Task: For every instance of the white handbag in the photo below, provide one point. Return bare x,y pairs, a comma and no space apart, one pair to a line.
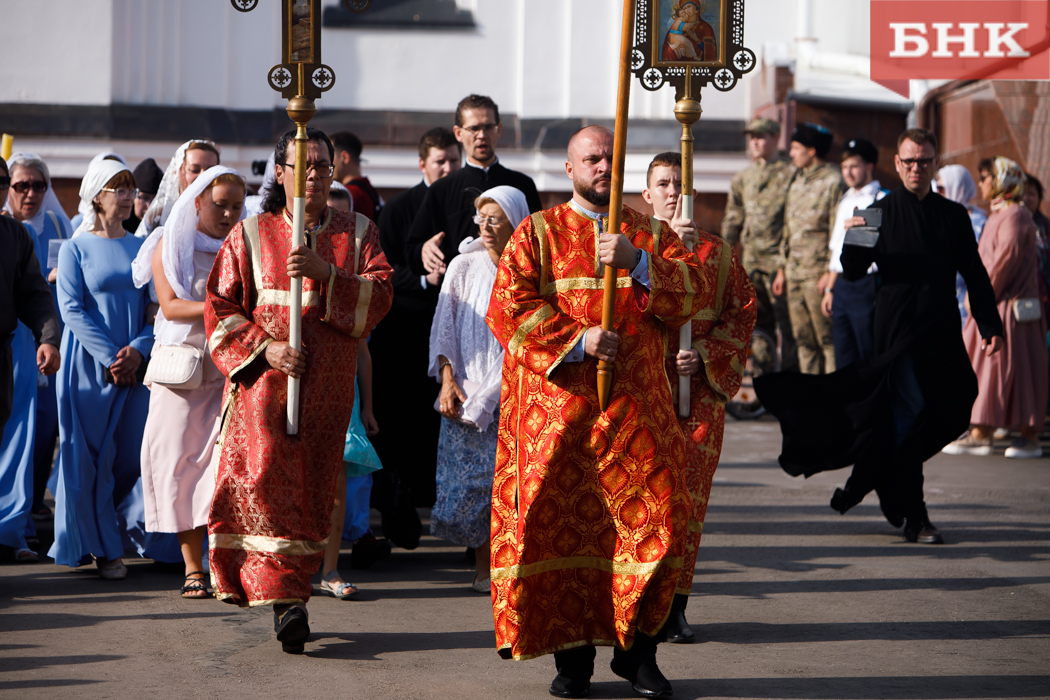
1027,309
175,367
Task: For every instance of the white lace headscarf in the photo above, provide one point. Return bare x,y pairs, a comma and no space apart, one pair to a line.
180,239
253,204
167,191
105,155
50,202
95,179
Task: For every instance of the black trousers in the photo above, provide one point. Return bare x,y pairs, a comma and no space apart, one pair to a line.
579,662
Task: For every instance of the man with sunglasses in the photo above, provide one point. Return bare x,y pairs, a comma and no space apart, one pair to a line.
888,414
446,216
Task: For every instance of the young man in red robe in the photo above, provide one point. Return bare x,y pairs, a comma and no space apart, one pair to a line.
270,515
721,336
590,509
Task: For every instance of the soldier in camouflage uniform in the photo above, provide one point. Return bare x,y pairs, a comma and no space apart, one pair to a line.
753,223
809,215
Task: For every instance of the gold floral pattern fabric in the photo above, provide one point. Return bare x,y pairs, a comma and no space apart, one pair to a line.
270,514
589,509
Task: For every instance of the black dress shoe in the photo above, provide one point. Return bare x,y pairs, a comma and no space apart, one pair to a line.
368,550
923,532
677,630
567,687
293,629
646,679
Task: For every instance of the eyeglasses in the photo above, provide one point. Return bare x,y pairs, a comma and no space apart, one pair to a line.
478,128
121,192
145,196
920,163
490,221
38,186
319,169
5,182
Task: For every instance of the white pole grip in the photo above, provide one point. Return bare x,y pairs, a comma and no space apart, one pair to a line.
295,313
685,337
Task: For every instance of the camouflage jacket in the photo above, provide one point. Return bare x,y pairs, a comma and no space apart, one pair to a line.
755,213
809,216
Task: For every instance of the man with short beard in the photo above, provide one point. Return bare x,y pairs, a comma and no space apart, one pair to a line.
590,509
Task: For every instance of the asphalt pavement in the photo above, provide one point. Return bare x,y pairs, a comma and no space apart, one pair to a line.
790,600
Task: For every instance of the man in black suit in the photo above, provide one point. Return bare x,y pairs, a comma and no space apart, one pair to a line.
403,394
446,215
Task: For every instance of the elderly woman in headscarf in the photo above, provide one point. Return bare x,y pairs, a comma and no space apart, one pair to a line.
954,182
190,160
32,200
178,475
468,361
1013,383
82,209
102,404
24,362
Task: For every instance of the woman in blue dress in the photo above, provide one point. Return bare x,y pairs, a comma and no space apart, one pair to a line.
32,201
102,404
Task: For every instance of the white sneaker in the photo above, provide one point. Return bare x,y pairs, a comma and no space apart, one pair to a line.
969,445
1024,449
1001,434
483,586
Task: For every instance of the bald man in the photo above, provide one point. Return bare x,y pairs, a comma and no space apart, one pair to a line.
590,509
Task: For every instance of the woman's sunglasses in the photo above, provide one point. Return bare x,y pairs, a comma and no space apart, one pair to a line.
38,186
5,182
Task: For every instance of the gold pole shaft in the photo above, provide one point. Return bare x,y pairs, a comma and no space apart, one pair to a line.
687,111
623,98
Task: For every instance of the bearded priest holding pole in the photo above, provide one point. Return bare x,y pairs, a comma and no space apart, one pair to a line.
590,509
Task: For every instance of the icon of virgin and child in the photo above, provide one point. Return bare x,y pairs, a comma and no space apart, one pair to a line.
689,37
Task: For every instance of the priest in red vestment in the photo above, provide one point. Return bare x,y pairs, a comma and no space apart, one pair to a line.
589,512
721,336
270,516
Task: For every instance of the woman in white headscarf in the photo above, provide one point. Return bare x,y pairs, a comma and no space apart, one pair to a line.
954,182
190,160
83,208
468,361
32,201
102,404
177,468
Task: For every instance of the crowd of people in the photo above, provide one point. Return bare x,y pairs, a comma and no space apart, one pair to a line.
148,339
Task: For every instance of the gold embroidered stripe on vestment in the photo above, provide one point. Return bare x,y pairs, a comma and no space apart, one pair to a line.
261,543
622,568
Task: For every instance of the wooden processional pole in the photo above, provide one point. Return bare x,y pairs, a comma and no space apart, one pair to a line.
300,77
623,98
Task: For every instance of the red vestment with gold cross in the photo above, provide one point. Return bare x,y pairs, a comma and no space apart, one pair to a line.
721,332
589,509
270,515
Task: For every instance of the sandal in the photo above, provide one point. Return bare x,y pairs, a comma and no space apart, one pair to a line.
26,556
337,589
194,586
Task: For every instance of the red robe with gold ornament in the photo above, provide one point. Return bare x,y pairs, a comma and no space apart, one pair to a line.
722,335
589,509
270,515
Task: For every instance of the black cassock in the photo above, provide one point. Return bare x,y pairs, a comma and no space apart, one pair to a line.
847,417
